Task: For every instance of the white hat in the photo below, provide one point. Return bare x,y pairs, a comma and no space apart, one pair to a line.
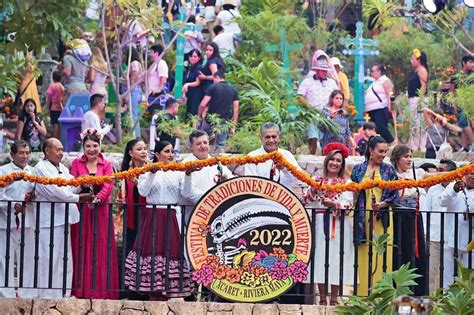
231,2
321,65
336,62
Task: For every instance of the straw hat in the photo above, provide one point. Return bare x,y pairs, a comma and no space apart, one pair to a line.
321,65
336,62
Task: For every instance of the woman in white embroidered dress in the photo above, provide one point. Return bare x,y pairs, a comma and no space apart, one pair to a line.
328,225
160,189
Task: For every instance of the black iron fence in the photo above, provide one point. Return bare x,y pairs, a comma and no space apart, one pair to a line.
37,258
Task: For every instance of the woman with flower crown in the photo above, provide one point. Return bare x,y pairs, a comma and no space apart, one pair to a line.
95,265
334,209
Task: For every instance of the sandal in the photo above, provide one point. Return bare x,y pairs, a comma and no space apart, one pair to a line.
333,303
323,302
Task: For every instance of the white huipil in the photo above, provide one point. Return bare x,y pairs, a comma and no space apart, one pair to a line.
265,169
333,228
60,196
161,188
15,192
459,203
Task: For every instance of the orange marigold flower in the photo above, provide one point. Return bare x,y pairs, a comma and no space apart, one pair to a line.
233,275
275,156
213,261
220,271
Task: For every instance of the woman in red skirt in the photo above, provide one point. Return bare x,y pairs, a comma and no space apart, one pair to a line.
95,264
157,274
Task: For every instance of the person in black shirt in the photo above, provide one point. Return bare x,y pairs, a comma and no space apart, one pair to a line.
222,99
417,87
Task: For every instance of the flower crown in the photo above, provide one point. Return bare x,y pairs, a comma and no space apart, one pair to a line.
336,146
91,132
416,53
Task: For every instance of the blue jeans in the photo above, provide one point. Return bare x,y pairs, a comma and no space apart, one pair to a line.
136,97
220,137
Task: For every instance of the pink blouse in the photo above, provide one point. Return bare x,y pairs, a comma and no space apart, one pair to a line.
104,168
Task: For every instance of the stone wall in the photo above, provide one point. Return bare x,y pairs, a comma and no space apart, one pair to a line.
172,307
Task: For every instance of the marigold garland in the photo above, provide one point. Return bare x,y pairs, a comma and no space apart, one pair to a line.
275,156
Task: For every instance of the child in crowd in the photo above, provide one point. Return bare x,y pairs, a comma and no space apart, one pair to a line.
54,100
369,129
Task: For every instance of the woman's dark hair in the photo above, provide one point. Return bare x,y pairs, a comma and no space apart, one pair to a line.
382,69
24,115
126,157
333,94
192,19
397,153
135,56
190,53
424,60
94,138
159,146
228,7
329,157
371,144
216,55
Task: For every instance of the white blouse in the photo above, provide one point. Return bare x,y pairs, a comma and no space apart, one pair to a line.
411,192
372,102
161,188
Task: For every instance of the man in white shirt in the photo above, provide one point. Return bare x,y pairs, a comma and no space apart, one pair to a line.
53,200
198,181
270,138
315,91
458,198
21,218
227,42
157,76
432,203
91,119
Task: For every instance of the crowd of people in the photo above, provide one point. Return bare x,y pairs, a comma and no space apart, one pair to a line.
78,220
90,251
325,88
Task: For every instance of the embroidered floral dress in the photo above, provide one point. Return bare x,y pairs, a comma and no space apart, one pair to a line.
328,228
147,260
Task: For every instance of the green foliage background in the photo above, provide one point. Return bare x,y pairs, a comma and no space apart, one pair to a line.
396,49
42,23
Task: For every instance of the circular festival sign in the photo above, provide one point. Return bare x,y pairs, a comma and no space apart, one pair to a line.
249,240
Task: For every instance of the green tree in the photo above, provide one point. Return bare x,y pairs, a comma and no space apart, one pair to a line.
396,49
41,23
450,23
381,13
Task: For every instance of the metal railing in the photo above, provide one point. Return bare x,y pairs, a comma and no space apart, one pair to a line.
35,245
